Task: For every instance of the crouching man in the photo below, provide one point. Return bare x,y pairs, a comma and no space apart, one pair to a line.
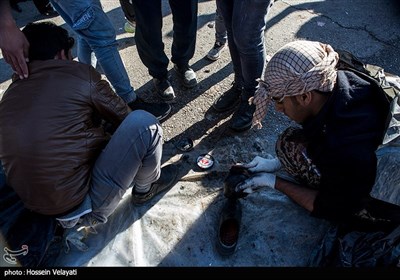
56,154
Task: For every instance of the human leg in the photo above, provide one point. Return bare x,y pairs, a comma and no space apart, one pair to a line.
184,39
220,29
133,156
230,98
149,37
221,37
90,22
249,43
150,46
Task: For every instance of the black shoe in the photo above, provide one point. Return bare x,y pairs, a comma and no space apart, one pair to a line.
164,88
228,100
166,181
229,227
159,110
186,75
242,119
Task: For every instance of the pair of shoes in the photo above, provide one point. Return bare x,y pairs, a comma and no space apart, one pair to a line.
228,100
242,119
159,110
166,181
164,88
186,75
130,26
216,51
229,227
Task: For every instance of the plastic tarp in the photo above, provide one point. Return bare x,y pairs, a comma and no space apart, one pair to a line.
179,228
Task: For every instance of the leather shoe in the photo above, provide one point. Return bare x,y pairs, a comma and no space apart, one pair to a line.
165,182
228,99
229,227
237,174
242,119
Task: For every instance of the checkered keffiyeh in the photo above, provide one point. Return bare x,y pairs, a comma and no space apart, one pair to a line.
296,68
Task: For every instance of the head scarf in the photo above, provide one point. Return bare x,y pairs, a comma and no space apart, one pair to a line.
296,68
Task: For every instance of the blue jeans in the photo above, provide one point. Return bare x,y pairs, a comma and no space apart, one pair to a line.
245,22
96,34
221,35
132,156
148,34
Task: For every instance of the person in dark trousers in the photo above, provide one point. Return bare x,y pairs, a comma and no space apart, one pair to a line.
148,36
245,22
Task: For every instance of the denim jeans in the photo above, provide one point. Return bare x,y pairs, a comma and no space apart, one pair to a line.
245,22
221,35
148,34
96,34
132,156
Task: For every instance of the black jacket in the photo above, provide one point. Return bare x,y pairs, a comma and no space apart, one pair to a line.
342,140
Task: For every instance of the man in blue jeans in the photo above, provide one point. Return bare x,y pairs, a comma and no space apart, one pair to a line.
150,46
246,46
97,34
56,154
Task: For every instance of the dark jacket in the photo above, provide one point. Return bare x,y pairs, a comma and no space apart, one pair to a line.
342,143
48,137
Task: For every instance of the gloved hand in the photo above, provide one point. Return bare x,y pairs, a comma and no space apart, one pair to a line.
257,181
260,164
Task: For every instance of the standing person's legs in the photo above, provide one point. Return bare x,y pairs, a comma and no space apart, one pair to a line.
248,47
150,46
225,8
128,10
148,37
221,37
249,39
184,16
133,156
97,34
230,98
220,29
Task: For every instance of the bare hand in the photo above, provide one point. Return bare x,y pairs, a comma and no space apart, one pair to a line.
14,47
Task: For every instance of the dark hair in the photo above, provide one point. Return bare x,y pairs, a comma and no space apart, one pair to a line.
46,39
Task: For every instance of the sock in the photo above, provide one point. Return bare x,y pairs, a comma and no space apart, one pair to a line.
142,189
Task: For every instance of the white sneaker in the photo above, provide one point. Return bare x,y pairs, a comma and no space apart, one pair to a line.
216,51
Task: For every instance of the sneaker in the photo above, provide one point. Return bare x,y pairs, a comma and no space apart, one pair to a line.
242,119
130,26
186,75
164,88
159,110
216,51
228,99
166,181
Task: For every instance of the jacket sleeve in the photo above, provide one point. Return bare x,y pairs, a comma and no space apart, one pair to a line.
107,103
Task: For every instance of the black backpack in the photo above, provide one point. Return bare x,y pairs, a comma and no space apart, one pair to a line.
387,182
